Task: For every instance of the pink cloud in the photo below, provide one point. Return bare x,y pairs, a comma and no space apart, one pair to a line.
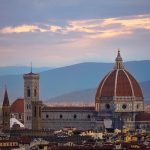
100,28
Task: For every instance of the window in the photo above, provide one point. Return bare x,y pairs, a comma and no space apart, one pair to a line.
28,106
47,116
89,116
75,116
107,106
61,116
35,111
97,106
124,106
28,93
41,147
19,116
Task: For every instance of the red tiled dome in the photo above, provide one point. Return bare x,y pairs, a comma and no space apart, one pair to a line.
17,106
118,82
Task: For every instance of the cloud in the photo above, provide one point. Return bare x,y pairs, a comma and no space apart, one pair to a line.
111,34
22,29
135,22
110,27
55,28
91,28
30,28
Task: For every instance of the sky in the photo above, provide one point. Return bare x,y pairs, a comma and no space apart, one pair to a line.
57,33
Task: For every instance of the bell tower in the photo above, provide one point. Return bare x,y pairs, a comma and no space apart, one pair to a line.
31,94
6,112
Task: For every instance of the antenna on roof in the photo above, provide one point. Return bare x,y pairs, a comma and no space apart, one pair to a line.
31,67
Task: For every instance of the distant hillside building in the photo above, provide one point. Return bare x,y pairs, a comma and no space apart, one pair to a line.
119,103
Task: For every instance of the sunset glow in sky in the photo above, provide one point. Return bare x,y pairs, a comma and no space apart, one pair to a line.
56,33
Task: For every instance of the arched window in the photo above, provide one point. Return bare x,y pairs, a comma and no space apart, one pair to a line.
28,93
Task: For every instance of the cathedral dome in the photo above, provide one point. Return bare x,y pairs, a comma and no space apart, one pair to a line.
118,83
18,106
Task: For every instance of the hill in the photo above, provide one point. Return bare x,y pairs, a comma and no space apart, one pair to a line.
68,79
16,70
88,96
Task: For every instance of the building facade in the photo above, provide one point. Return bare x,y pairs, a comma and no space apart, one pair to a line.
68,117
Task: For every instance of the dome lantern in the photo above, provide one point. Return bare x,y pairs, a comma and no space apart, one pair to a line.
119,61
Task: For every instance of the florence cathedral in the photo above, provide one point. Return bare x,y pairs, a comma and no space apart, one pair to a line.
119,103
